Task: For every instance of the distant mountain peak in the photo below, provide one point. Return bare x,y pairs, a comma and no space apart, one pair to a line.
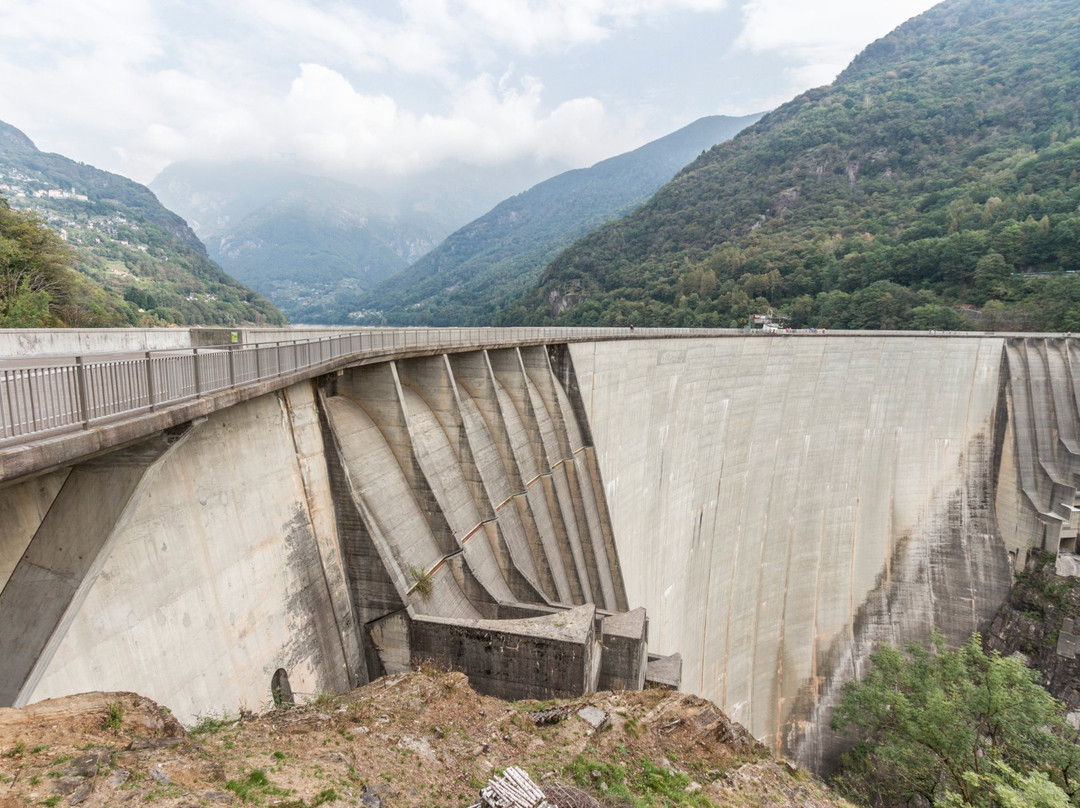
495,257
12,138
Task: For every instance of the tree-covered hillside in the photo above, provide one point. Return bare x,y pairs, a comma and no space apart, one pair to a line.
501,255
935,184
138,263
36,280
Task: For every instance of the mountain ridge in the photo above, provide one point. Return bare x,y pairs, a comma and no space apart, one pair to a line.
140,263
498,255
247,212
896,197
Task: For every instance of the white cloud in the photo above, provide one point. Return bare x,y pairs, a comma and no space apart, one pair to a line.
158,93
822,37
386,85
434,35
121,30
422,45
338,130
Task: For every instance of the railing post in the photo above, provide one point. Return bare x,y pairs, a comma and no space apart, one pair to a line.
150,381
84,401
258,363
232,366
198,379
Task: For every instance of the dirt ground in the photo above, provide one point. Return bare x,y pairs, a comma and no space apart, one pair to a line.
419,739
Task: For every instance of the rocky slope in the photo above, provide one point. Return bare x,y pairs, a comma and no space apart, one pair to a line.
1041,621
418,739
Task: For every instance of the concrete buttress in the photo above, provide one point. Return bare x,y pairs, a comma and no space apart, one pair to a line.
49,584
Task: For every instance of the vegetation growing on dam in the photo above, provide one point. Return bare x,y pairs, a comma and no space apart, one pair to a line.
955,728
933,185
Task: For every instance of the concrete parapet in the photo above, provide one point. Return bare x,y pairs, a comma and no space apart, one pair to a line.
73,341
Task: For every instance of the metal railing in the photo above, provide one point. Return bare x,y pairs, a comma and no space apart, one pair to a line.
41,395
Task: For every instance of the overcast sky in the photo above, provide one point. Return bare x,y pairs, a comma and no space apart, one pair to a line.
400,85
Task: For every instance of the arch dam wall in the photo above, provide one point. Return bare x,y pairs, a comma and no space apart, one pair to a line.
778,505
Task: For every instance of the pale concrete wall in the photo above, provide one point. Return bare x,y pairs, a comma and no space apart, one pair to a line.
783,505
226,570
72,341
78,341
22,507
1044,429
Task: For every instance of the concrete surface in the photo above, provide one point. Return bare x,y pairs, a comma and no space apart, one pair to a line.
76,341
555,656
217,578
22,507
766,495
779,507
437,458
49,584
625,651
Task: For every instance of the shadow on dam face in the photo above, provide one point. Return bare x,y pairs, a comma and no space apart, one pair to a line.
780,507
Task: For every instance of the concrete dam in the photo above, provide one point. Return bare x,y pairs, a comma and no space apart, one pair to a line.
770,507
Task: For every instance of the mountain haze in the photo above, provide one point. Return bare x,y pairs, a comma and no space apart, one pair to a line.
500,255
140,263
934,184
312,244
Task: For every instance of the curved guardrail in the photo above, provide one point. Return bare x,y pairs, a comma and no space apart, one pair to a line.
43,395
39,396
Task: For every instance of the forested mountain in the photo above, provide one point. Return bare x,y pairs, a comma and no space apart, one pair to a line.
315,245
500,256
934,184
138,263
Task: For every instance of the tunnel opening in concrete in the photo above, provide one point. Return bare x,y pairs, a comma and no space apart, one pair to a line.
280,690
